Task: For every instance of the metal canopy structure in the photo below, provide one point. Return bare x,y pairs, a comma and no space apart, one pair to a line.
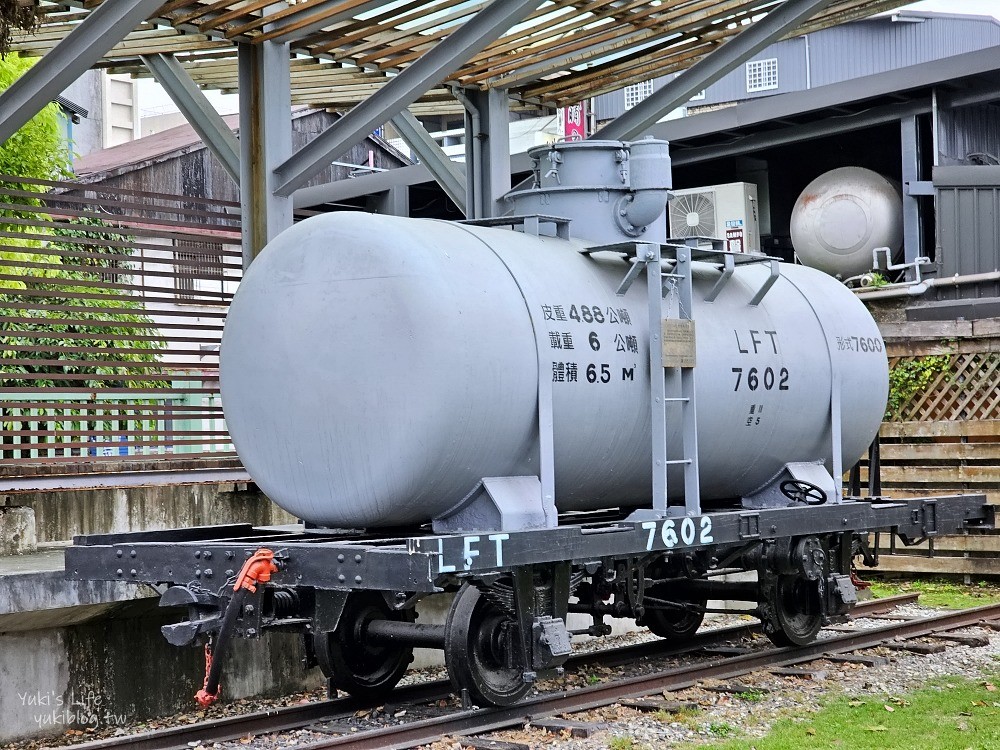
375,60
344,50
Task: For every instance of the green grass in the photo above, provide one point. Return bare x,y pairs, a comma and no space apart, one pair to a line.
620,742
721,729
686,717
951,713
941,594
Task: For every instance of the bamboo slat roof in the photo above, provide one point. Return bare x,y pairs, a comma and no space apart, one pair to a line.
565,51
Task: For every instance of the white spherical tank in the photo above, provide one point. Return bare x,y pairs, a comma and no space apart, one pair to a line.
375,368
842,216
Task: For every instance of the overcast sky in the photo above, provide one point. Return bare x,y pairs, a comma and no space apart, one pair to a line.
153,99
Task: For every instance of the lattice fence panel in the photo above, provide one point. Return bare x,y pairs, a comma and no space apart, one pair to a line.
966,388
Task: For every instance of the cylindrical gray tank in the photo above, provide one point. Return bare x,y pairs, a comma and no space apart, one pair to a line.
842,216
375,368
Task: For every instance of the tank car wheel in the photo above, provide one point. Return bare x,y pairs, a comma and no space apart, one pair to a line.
791,609
353,663
674,624
476,645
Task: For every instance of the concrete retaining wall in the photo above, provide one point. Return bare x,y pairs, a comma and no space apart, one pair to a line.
78,653
117,668
61,515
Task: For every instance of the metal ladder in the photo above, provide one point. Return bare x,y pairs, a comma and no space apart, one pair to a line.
672,351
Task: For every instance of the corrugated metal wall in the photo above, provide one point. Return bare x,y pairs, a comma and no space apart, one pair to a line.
969,131
878,45
968,227
845,52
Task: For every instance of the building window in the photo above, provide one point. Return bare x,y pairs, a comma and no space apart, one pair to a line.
762,75
637,92
198,266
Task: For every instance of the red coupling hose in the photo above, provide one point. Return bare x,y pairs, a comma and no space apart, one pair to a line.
256,570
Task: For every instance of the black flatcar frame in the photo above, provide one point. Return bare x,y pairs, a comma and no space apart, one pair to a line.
350,561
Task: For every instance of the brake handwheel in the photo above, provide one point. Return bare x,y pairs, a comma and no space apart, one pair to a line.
799,491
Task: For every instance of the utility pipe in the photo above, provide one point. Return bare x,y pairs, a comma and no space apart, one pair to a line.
915,290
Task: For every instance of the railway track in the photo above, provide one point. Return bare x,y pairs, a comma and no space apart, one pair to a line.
296,717
471,722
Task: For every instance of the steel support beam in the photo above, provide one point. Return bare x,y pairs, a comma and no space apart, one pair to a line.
487,149
430,69
197,110
449,175
265,140
636,121
102,29
911,204
392,202
754,142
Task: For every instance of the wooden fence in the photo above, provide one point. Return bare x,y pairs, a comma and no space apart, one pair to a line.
942,434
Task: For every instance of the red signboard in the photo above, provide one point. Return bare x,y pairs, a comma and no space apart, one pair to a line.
574,121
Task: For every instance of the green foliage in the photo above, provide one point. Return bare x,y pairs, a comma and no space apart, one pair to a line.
38,151
877,280
16,14
752,696
911,377
948,713
97,319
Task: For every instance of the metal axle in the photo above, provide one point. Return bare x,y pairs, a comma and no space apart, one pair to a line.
411,633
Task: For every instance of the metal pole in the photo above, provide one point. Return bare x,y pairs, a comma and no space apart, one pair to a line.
495,122
689,422
649,254
430,69
197,110
710,69
473,155
265,140
488,175
911,204
101,30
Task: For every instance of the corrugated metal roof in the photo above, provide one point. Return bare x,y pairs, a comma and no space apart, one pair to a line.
148,150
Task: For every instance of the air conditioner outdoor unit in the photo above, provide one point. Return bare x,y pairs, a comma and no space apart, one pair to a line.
727,212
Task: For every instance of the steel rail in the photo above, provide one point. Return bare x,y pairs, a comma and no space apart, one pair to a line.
296,717
584,699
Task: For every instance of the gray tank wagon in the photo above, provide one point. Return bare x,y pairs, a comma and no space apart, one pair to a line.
415,370
580,416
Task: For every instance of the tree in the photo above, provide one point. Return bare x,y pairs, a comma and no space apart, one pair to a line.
17,14
45,281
